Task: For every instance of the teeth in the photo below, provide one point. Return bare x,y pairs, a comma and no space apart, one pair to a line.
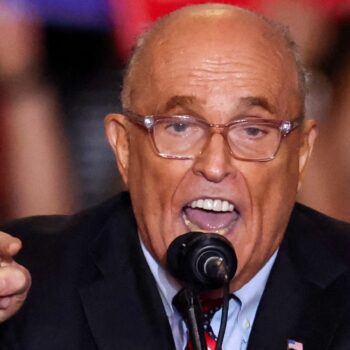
217,205
210,204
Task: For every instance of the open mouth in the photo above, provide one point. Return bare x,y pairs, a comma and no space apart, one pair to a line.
210,215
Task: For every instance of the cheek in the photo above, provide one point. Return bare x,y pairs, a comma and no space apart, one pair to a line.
153,181
150,175
272,189
143,173
273,185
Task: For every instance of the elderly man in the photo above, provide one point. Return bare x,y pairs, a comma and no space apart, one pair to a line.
212,139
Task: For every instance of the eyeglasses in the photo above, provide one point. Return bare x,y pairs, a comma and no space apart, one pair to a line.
184,136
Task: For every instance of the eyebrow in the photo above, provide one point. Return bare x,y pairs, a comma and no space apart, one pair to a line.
249,101
180,101
257,101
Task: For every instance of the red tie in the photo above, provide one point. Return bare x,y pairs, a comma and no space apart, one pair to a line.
209,307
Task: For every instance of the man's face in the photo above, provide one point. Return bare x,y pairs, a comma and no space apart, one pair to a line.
213,71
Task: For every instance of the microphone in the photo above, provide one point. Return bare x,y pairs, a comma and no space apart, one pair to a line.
203,260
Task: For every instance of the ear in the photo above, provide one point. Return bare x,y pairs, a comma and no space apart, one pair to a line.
116,129
308,137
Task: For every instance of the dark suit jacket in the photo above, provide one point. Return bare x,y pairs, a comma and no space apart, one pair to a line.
92,288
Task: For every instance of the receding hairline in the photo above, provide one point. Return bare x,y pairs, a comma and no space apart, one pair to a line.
210,9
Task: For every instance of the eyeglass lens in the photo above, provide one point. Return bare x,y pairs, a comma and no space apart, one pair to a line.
186,138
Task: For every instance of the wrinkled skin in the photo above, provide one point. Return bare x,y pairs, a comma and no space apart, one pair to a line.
15,280
207,62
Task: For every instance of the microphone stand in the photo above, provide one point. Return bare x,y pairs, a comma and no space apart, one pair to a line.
187,301
224,315
203,261
188,304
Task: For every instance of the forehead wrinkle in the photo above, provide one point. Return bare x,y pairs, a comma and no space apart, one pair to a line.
217,62
239,63
240,77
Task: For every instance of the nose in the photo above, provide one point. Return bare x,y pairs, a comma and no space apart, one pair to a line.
215,161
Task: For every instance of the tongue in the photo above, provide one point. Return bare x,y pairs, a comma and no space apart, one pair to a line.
210,220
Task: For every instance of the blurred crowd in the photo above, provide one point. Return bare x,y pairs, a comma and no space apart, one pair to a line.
61,66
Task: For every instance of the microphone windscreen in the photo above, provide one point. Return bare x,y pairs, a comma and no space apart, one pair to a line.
199,259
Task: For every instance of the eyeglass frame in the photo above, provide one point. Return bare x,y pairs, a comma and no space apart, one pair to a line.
148,122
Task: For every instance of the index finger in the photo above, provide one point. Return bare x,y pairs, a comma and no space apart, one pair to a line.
9,245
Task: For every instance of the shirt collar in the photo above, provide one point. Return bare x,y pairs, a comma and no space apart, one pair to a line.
249,295
167,285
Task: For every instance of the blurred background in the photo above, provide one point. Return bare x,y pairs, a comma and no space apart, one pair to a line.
61,68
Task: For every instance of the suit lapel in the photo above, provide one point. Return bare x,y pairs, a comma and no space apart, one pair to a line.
119,294
278,310
304,297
